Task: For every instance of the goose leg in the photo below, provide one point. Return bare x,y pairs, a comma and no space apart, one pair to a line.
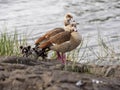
63,57
58,56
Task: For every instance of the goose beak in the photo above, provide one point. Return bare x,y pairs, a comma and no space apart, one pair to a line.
75,29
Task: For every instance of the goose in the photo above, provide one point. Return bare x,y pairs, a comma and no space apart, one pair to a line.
67,19
64,42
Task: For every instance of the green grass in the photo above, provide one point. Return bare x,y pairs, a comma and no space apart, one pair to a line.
9,44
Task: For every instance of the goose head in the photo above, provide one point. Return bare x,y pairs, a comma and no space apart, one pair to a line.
67,19
71,27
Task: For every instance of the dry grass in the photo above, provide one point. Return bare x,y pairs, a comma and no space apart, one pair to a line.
103,51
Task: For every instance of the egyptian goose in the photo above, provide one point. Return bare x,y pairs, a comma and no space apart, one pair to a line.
68,17
64,41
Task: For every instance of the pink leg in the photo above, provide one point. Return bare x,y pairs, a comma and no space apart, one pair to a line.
63,58
58,55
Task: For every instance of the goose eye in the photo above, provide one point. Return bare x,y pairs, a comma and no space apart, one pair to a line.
72,25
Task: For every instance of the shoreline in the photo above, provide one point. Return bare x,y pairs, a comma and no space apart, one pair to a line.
20,73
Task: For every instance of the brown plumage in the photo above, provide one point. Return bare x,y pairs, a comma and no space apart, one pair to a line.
69,45
55,31
49,34
60,37
57,39
64,41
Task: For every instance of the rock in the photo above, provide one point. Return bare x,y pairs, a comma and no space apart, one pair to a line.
50,75
54,88
3,75
79,83
110,71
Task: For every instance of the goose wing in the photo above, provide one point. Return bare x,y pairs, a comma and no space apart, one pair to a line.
53,32
49,34
60,37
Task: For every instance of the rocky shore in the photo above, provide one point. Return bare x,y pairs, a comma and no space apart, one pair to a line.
19,73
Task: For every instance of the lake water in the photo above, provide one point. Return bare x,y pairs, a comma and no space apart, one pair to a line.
35,17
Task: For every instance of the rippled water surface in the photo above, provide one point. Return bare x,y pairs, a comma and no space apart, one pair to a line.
38,16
